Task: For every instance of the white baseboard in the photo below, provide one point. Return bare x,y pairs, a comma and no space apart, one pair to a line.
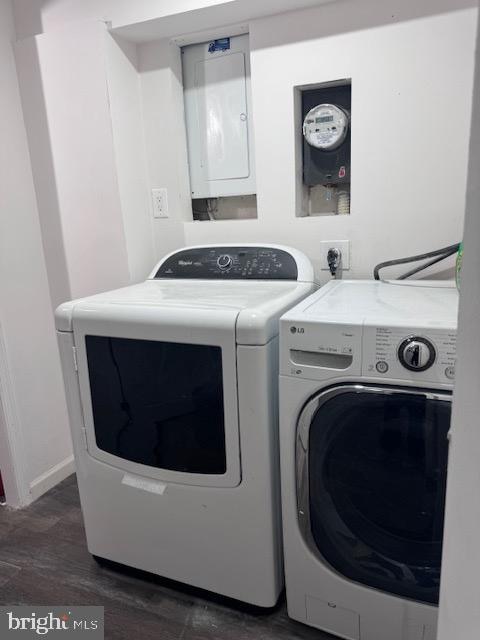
52,477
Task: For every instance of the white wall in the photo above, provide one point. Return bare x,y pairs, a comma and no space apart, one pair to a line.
459,601
41,16
125,105
65,100
30,377
144,19
408,63
409,156
165,138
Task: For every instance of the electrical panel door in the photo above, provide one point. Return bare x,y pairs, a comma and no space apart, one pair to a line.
218,118
222,108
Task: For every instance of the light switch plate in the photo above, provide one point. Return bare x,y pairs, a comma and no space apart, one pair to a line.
343,245
160,203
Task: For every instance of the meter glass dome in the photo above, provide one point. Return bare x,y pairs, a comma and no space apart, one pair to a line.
325,126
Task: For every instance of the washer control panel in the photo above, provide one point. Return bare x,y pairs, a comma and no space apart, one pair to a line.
230,263
417,353
318,351
399,352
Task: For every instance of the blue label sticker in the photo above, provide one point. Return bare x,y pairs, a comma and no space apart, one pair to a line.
222,44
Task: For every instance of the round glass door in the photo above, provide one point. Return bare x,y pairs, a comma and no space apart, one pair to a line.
372,465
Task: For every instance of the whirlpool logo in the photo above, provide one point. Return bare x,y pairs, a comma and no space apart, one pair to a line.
56,622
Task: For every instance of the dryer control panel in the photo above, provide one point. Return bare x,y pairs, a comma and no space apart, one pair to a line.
230,263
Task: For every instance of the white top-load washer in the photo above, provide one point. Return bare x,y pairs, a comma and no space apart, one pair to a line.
367,371
172,395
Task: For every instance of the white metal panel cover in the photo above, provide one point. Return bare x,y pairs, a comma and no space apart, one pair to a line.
218,110
222,116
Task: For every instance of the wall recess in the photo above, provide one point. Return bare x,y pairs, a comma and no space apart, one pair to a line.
324,125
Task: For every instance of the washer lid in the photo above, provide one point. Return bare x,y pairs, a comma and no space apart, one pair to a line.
257,306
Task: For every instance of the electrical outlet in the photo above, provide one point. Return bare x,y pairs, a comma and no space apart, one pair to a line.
343,245
160,203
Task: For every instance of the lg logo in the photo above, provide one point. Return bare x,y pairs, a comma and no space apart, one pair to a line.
297,330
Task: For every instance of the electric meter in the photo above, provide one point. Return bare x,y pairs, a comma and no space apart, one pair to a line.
326,126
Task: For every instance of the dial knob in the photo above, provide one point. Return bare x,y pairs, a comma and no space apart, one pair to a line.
417,354
224,261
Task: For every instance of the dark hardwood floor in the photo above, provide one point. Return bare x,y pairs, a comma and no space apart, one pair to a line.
44,561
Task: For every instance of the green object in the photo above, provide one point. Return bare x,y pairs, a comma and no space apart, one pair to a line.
458,265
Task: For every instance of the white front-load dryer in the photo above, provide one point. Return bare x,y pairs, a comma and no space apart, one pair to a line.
366,378
172,396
